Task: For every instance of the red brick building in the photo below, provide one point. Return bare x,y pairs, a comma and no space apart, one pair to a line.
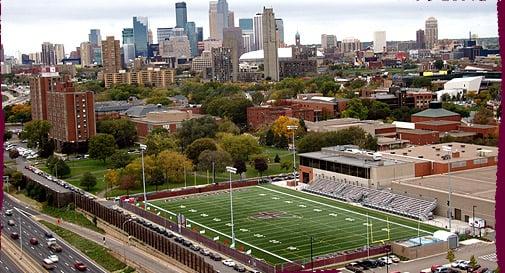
435,112
480,129
265,115
419,137
438,125
70,113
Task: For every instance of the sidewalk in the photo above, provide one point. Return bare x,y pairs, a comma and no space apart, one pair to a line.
141,260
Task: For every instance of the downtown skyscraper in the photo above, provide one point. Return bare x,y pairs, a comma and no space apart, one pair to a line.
111,55
431,32
181,14
270,46
140,35
95,38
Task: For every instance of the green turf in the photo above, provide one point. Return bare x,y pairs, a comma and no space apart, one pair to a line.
334,225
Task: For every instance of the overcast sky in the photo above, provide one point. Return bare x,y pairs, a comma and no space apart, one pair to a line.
28,23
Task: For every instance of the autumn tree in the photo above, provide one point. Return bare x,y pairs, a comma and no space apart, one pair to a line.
280,127
158,141
220,159
198,146
450,256
112,177
173,164
241,146
127,182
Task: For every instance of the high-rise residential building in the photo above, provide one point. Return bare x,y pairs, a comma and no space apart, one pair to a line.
279,24
167,33
213,20
232,38
128,53
86,54
222,67
420,39
36,57
181,14
95,38
48,55
59,52
177,47
202,62
140,35
379,42
127,34
222,17
328,41
270,47
247,41
192,37
350,45
258,31
231,19
70,113
111,55
209,44
199,34
156,77
149,37
431,32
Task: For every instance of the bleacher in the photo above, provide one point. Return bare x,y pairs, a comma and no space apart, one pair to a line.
378,199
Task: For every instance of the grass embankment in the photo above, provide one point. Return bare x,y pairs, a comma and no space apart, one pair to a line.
71,216
94,251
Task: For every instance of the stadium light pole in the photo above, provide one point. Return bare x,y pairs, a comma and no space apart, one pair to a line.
449,153
143,147
231,170
293,128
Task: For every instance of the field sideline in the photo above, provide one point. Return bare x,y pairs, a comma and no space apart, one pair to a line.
276,223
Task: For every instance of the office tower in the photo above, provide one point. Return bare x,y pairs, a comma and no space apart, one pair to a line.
111,55
222,67
167,33
48,54
94,37
431,32
181,14
70,113
350,45
128,36
379,42
128,53
232,38
213,20
86,53
199,34
192,37
59,52
231,19
209,44
328,41
140,29
420,39
247,40
258,32
222,18
297,39
149,37
270,47
177,47
279,24
246,24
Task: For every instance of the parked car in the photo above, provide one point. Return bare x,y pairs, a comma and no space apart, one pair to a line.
434,267
239,268
187,243
394,258
48,264
34,241
370,263
474,269
204,252
386,260
80,266
179,239
215,256
354,267
54,258
457,263
229,263
194,247
15,235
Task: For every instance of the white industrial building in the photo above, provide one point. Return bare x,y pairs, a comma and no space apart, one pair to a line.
467,84
256,57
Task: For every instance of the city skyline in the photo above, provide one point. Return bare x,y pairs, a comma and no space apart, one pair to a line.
25,30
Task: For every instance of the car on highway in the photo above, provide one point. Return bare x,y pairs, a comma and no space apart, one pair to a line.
11,223
80,266
55,248
51,241
8,212
48,234
239,268
54,258
48,264
229,262
15,235
34,241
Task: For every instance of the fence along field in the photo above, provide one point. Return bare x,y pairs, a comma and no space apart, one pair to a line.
276,224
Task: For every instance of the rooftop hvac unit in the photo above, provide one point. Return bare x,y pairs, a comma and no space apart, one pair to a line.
483,153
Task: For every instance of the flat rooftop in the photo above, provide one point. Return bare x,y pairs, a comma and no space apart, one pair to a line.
348,160
434,152
479,183
438,122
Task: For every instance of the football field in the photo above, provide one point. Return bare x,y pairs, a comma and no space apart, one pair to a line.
276,224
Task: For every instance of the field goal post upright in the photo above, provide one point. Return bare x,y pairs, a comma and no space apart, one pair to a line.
380,240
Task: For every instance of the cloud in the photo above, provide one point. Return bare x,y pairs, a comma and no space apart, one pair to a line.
28,23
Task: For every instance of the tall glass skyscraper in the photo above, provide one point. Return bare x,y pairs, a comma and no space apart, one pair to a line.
222,18
245,24
181,14
199,34
128,36
140,30
192,37
95,40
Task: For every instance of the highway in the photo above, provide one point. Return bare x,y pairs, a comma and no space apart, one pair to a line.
7,265
32,229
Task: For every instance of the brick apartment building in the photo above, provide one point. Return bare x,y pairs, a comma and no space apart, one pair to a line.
70,113
259,116
148,77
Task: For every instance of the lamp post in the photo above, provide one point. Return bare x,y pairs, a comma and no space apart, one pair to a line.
293,128
473,218
143,147
231,170
128,238
448,149
311,256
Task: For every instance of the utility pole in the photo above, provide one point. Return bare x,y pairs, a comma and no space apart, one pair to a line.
293,128
448,149
311,254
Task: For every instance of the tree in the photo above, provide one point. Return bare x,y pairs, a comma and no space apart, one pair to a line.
156,177
101,146
303,127
355,109
227,126
438,64
314,141
127,182
18,113
450,256
158,141
112,177
7,135
404,113
286,165
119,159
13,154
376,109
220,159
241,146
36,132
277,159
280,127
233,107
473,262
194,129
260,165
198,146
462,110
240,165
88,181
420,81
484,116
123,130
257,98
60,169
173,165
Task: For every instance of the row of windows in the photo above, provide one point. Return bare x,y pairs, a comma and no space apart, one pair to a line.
335,167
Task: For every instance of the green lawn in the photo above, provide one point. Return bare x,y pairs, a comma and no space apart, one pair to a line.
71,216
276,223
96,252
